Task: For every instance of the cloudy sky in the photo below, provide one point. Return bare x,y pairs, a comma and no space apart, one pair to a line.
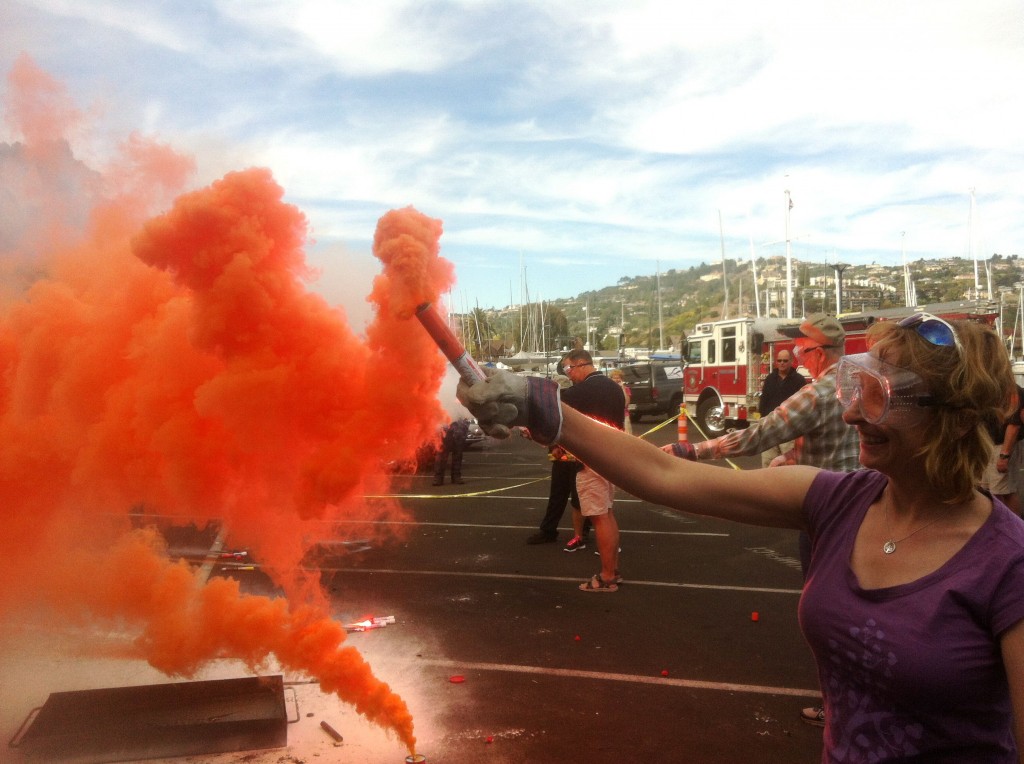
575,141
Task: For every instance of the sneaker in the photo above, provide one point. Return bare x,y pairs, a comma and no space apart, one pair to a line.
576,543
814,715
542,538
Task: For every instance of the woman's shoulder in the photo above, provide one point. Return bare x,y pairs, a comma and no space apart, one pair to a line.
850,480
1007,524
835,490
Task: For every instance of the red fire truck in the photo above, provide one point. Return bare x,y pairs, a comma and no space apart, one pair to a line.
726,361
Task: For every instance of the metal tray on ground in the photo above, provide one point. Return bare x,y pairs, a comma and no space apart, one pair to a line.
156,721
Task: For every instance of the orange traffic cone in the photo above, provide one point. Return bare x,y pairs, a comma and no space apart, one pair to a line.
682,424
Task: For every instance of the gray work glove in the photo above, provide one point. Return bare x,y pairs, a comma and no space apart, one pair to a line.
506,400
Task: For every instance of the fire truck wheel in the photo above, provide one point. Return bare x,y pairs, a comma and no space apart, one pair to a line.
709,417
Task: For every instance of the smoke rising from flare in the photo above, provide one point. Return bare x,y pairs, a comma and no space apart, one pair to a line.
180,366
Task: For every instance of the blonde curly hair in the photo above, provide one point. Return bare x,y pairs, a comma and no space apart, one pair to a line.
973,386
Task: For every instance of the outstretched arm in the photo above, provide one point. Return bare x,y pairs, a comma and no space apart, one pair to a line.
756,497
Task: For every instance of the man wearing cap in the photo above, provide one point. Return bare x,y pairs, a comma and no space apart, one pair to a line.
812,413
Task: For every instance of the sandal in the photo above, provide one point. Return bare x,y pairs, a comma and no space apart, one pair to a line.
814,715
598,584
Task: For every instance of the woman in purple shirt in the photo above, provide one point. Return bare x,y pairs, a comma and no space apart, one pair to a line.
914,599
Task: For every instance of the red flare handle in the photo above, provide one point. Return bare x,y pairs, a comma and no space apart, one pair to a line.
469,370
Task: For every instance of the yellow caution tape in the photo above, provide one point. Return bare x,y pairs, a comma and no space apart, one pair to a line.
472,494
658,427
452,495
705,436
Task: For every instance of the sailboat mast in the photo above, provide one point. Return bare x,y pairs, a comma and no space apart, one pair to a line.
753,270
907,300
789,261
725,278
476,320
970,247
661,324
543,333
1020,318
586,311
622,327
523,307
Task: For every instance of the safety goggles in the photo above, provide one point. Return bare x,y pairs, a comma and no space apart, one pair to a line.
933,330
885,393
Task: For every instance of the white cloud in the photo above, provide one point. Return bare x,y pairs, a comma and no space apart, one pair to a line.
137,19
365,39
595,130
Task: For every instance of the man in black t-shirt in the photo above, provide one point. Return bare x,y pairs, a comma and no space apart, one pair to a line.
600,398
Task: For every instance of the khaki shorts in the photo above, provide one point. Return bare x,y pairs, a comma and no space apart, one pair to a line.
596,494
1002,483
779,450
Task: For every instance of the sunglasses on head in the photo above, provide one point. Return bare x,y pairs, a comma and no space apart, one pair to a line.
932,329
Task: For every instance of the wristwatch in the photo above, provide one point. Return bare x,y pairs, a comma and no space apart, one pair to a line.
1004,456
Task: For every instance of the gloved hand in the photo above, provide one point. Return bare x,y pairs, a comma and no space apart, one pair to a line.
506,400
682,450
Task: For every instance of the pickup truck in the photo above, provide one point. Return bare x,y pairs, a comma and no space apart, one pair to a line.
655,388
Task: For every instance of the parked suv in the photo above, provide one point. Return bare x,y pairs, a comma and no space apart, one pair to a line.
655,388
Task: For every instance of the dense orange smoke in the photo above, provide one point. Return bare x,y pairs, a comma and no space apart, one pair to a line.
407,243
176,366
185,624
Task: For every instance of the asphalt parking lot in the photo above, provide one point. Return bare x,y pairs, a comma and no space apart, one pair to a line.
697,657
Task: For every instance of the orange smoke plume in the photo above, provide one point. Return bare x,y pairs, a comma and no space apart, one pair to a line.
178,366
407,243
185,624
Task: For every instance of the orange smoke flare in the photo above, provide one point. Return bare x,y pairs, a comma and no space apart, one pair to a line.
179,366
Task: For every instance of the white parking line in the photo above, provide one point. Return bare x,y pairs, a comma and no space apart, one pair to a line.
635,678
522,577
211,556
512,527
618,499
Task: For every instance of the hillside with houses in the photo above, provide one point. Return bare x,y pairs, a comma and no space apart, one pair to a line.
641,314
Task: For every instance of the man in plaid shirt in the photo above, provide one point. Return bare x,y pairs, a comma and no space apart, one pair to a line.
812,414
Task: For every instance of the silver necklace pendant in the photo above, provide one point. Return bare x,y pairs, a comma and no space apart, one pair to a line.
889,546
